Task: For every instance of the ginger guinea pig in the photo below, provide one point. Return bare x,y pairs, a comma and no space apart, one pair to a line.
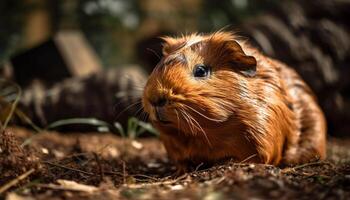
213,97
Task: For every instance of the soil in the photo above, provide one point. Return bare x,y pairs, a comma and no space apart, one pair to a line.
105,166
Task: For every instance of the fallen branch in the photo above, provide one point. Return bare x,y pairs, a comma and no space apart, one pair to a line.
165,182
15,181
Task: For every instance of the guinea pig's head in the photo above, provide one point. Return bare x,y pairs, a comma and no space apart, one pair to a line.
198,83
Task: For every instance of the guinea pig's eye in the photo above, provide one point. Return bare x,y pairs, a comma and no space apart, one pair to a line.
201,70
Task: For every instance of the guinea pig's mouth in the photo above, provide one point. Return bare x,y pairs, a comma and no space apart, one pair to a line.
163,122
160,115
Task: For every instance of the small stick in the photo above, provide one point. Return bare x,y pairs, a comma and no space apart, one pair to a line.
165,182
68,168
197,168
15,181
310,164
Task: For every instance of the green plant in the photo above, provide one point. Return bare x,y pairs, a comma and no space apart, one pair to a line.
10,92
70,121
135,128
10,95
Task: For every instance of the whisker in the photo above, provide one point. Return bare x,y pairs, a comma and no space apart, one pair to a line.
154,52
248,158
201,114
139,112
122,100
135,81
123,97
178,120
119,102
135,113
144,116
127,108
189,122
202,130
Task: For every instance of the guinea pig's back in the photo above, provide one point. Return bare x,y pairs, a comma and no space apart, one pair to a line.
311,138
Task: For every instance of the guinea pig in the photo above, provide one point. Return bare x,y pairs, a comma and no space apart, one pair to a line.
213,97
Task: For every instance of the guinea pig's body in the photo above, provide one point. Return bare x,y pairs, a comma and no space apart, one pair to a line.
213,97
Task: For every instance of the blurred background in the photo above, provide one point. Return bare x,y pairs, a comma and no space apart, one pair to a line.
90,58
115,28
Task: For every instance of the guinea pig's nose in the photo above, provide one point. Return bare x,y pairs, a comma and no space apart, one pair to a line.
159,102
159,110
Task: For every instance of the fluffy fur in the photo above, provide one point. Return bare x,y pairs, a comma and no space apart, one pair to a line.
252,108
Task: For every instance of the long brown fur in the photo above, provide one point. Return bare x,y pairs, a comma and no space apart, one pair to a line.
252,108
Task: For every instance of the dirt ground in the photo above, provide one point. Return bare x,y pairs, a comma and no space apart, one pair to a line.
104,166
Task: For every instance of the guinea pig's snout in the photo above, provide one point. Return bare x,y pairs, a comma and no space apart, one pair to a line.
160,102
159,110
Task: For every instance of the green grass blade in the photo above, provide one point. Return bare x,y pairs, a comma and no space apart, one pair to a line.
14,104
148,127
120,129
71,121
132,127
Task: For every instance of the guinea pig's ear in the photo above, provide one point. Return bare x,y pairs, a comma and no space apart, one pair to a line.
239,60
171,44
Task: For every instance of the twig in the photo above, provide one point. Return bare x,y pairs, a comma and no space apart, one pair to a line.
68,168
15,181
287,170
169,182
198,166
309,164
